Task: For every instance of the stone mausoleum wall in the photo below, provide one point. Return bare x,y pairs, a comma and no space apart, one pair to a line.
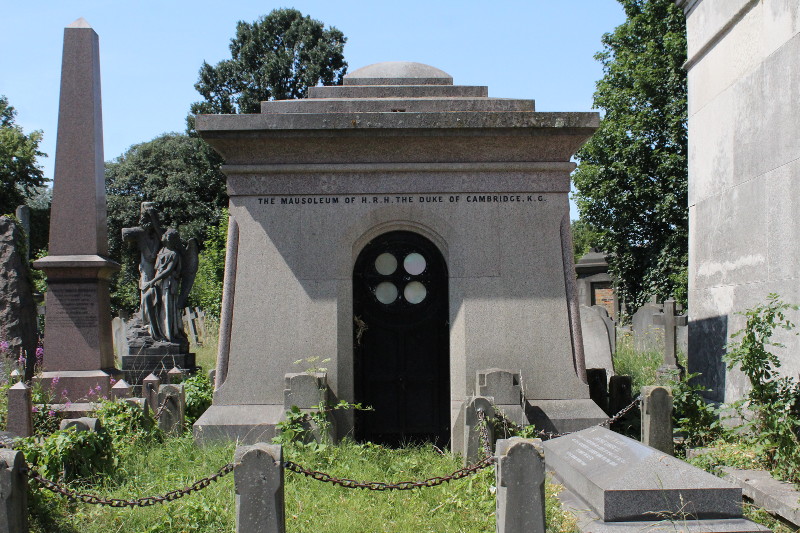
744,173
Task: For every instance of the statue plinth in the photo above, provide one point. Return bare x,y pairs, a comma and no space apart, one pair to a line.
147,355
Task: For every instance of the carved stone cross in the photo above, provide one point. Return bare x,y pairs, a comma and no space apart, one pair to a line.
670,321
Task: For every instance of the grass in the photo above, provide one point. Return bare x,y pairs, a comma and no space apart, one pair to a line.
641,366
465,505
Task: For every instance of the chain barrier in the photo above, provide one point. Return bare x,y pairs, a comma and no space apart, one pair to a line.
146,501
487,460
552,435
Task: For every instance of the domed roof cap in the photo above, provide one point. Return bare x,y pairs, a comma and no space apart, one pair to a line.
398,73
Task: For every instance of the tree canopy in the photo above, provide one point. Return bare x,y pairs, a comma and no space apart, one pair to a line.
277,57
181,175
631,179
20,176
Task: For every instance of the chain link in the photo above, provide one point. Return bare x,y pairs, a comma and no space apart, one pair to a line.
487,460
146,501
553,435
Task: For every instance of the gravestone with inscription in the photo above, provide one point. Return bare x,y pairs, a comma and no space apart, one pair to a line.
623,480
413,232
77,342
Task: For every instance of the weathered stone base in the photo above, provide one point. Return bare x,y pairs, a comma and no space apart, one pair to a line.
564,416
589,521
78,385
245,424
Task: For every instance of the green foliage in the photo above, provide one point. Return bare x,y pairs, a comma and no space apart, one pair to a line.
772,405
584,237
277,57
199,393
632,175
20,175
695,418
69,454
311,427
45,418
207,290
127,425
181,175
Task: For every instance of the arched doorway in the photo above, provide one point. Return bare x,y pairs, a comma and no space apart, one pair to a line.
401,340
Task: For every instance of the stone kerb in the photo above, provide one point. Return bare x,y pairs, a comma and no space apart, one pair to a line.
83,423
13,492
520,474
258,482
309,392
466,437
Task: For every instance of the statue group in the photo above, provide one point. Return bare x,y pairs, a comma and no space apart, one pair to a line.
167,269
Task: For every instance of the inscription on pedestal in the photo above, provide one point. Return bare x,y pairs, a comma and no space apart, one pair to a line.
74,306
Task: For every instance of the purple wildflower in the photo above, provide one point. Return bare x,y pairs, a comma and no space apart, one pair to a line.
3,346
51,413
39,355
55,380
35,409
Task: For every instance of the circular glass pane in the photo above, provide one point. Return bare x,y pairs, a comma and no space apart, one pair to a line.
386,292
414,263
415,292
385,264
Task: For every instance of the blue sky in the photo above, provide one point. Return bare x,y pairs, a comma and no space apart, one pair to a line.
151,51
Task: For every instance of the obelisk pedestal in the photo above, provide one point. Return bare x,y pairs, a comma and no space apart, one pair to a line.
79,358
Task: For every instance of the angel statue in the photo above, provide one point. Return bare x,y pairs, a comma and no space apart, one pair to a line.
167,270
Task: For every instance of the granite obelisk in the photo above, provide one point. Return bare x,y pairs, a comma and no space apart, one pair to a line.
77,343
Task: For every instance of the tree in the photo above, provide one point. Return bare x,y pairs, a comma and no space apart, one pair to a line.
207,289
181,175
20,175
584,237
277,57
632,175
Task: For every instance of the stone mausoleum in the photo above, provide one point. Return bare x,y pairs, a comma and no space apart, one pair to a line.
411,231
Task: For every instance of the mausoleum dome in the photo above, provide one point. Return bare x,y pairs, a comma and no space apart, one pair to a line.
398,73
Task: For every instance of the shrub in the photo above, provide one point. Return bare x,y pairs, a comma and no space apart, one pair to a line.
69,454
199,393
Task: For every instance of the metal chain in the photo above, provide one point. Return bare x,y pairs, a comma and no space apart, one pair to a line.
487,460
146,501
552,435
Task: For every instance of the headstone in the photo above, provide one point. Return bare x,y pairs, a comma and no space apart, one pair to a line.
623,480
657,418
597,345
504,389
520,474
83,423
258,482
17,307
20,407
212,377
171,408
189,324
77,343
647,335
13,492
670,321
121,390
120,333
201,323
305,390
402,162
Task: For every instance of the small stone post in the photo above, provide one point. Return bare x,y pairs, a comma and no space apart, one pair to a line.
150,386
20,406
473,447
121,390
657,418
520,486
174,376
258,482
13,492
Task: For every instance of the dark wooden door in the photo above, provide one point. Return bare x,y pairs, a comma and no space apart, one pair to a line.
401,341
